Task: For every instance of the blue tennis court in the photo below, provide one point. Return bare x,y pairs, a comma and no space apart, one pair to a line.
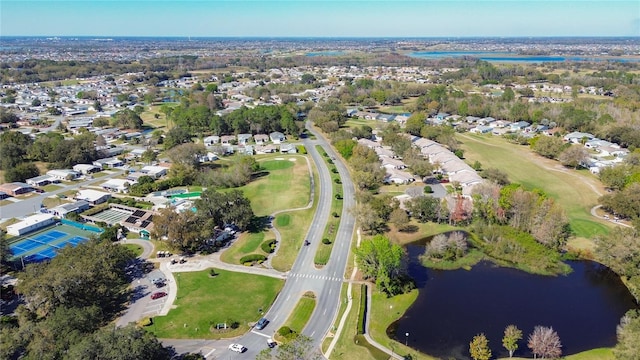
44,245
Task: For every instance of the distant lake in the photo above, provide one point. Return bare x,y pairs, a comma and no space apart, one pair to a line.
513,57
584,307
325,53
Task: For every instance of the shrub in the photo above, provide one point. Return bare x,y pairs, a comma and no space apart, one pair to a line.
335,214
268,246
337,181
301,149
363,308
334,170
285,331
252,258
338,196
428,190
329,161
145,322
212,272
326,241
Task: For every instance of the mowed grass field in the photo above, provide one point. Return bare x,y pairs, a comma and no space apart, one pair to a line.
204,301
576,191
287,186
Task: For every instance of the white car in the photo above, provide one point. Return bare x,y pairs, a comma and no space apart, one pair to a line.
237,348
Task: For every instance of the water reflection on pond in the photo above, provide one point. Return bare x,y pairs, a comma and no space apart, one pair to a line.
584,307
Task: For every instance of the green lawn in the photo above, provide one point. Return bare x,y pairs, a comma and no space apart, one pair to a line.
574,190
323,252
51,187
595,354
205,301
137,249
301,313
53,201
385,311
247,243
287,182
346,348
293,228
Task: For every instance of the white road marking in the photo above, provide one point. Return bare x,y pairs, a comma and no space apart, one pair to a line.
312,333
209,353
261,334
288,297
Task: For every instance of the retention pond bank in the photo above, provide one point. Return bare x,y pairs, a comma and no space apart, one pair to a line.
584,307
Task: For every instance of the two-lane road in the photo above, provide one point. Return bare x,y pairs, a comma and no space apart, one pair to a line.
326,282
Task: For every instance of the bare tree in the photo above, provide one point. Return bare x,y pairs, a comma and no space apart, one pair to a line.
545,342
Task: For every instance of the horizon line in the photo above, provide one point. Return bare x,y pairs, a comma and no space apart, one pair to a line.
324,36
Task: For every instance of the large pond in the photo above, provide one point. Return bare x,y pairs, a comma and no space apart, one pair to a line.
584,307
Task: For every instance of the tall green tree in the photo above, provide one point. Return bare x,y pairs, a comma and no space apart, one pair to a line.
512,335
385,263
89,274
127,343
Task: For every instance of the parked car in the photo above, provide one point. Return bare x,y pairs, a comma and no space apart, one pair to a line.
237,348
158,295
262,323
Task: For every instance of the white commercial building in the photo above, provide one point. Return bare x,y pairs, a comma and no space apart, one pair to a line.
31,223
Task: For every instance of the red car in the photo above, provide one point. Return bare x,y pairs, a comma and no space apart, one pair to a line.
158,295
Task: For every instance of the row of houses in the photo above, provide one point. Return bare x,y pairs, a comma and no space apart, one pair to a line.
446,162
275,137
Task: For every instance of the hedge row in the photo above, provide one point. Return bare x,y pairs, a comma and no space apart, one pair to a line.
363,309
251,258
96,209
268,246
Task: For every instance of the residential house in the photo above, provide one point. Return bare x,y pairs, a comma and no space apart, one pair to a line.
482,129
117,185
368,143
211,140
276,137
86,168
41,180
518,126
93,197
390,163
16,188
154,171
227,139
63,174
577,137
261,139
384,151
265,149
108,163
74,207
244,139
287,148
248,149
422,142
399,177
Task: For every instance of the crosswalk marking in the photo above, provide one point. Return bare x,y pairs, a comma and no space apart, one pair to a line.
316,277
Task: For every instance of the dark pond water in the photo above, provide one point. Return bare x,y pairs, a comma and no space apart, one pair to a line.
584,307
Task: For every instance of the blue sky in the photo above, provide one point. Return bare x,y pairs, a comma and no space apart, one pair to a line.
329,18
